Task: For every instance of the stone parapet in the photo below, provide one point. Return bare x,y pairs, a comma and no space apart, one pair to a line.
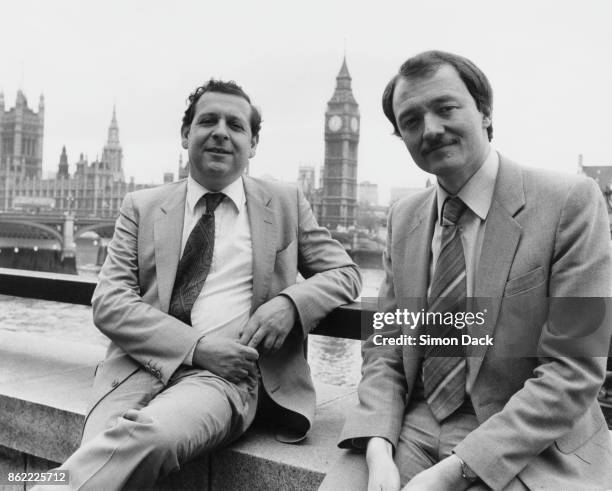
44,386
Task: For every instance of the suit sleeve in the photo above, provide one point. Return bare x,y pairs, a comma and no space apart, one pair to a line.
562,388
153,338
382,389
331,278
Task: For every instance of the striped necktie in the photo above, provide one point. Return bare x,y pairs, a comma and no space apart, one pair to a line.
195,263
444,370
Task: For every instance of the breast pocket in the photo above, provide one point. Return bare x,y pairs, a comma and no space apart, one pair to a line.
286,256
285,268
525,282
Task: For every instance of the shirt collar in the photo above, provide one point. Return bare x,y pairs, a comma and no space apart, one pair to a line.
477,193
234,191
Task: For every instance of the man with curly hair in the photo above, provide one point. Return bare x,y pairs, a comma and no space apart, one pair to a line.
199,298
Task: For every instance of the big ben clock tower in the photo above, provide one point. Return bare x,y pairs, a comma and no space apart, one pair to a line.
339,200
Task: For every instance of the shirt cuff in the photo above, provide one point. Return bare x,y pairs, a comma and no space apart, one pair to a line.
189,357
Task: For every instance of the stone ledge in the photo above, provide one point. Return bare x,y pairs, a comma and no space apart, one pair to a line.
44,385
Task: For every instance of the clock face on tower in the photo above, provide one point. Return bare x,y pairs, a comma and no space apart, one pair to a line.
334,123
354,123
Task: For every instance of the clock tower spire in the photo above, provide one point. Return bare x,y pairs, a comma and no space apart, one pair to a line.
339,200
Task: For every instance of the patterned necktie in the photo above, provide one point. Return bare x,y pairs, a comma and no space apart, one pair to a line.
444,370
195,263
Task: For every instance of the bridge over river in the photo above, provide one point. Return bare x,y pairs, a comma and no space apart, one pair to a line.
47,240
46,237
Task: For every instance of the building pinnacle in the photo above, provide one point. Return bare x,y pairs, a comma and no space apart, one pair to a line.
343,73
113,130
343,91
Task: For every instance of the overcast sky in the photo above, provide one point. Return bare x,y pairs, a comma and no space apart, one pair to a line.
549,62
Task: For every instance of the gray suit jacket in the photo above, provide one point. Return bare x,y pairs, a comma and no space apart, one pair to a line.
546,236
131,301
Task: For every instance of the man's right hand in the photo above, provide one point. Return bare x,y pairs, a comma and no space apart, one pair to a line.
383,474
226,358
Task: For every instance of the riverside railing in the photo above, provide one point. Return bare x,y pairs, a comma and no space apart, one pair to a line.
344,322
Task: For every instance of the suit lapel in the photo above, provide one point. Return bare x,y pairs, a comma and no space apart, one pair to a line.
263,237
413,269
167,236
502,236
412,249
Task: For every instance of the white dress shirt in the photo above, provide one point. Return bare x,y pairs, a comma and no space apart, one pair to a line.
224,304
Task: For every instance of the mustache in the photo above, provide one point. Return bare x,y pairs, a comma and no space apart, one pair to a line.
432,145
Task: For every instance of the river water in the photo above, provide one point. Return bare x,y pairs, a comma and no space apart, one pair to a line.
332,360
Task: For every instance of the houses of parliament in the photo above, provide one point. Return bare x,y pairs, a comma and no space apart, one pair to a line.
97,188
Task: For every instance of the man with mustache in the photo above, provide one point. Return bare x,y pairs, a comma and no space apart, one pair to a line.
199,298
522,414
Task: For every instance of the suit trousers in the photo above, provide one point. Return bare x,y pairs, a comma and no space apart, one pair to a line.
140,433
422,443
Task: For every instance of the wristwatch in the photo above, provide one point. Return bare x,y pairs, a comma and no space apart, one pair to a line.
466,472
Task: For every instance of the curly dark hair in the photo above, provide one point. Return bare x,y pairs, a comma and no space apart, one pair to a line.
427,63
230,87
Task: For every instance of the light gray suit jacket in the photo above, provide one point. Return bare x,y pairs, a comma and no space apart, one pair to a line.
546,236
131,301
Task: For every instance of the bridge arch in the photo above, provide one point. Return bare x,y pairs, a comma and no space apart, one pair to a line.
18,226
108,227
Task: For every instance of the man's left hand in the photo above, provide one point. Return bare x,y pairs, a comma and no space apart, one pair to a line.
444,476
270,324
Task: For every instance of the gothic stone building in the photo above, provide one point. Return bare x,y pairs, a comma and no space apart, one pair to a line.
95,188
339,197
21,138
